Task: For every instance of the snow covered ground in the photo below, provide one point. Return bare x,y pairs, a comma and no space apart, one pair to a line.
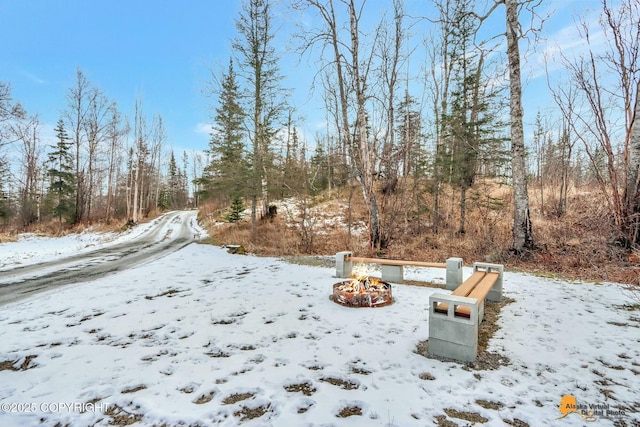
202,337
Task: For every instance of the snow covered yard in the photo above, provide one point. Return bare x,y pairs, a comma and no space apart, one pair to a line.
201,337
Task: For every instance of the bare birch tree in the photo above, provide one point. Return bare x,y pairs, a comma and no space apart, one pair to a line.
78,107
25,131
351,65
116,130
605,99
95,125
522,225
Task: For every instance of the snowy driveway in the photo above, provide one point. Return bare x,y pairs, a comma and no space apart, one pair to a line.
72,264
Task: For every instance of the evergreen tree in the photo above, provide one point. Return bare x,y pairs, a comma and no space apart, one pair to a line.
320,172
228,171
173,198
62,176
263,92
471,123
237,206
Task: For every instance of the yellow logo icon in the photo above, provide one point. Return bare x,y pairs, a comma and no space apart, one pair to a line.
569,404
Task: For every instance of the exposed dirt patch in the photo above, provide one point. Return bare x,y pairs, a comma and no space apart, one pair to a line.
487,404
205,398
9,365
223,321
169,294
121,417
91,316
516,423
443,421
217,353
344,384
251,413
237,397
303,409
188,389
133,389
426,376
315,368
473,417
360,371
305,388
349,411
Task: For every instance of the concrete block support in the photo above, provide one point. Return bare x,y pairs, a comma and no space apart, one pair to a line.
454,273
495,294
451,336
392,273
343,267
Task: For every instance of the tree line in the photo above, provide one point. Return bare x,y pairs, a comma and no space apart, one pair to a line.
102,165
397,141
401,135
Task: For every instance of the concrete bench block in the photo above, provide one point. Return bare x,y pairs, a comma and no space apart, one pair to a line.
496,291
454,273
392,273
343,267
451,336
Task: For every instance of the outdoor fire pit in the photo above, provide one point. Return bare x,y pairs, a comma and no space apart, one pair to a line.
362,292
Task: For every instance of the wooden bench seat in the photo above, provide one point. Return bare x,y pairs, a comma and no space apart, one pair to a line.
392,270
476,286
454,318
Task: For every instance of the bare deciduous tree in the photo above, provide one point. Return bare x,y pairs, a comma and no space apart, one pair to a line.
351,65
607,98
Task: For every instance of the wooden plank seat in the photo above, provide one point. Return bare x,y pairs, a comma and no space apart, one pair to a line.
477,286
392,270
454,318
385,261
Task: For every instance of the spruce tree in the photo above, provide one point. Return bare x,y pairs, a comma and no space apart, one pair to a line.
61,174
237,206
228,171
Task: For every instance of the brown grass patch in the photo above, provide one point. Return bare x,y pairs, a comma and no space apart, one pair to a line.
578,244
237,397
426,376
339,382
133,389
473,417
246,413
443,421
169,293
487,404
121,417
205,398
516,423
305,388
349,411
9,365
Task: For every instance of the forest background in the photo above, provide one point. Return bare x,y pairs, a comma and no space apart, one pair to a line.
424,153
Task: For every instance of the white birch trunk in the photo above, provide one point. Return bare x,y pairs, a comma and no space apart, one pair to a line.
522,227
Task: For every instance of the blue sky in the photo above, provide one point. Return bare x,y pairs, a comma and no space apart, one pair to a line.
161,51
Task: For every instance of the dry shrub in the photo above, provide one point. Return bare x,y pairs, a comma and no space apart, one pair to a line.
581,243
578,244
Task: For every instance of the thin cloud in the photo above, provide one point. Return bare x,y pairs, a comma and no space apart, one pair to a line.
203,128
33,77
